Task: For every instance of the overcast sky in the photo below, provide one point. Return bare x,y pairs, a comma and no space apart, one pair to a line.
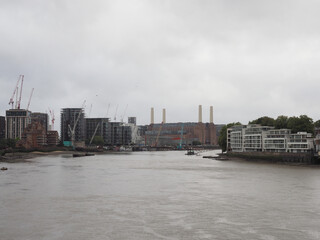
246,58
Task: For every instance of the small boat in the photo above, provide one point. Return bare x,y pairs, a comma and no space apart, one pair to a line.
190,152
82,154
4,169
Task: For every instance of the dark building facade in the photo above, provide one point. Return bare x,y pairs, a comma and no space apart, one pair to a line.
118,134
132,120
2,127
69,121
101,124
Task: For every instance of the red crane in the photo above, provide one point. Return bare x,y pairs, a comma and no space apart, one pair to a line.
30,99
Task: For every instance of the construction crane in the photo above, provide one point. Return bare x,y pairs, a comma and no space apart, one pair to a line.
124,113
115,115
19,102
181,136
159,131
73,130
95,131
52,118
108,110
90,110
30,99
14,92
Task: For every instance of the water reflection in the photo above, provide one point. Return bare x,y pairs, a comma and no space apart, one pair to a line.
158,195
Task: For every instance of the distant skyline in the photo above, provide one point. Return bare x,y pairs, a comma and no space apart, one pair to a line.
246,58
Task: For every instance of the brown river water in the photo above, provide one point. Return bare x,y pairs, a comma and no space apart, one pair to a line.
157,195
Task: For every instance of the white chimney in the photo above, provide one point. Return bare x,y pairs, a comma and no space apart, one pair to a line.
200,114
152,116
164,115
211,114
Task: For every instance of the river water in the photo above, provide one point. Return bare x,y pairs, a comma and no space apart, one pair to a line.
157,195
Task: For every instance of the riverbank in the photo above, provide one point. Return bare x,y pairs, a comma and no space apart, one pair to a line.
299,159
26,156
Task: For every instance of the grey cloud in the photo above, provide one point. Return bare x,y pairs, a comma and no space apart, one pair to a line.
246,58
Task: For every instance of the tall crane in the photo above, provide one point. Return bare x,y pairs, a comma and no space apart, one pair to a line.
124,113
115,115
108,110
95,131
30,99
159,131
14,92
73,130
181,136
19,102
52,118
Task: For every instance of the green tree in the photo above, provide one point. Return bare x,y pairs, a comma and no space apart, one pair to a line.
98,140
317,124
196,143
8,143
264,121
281,122
222,141
301,124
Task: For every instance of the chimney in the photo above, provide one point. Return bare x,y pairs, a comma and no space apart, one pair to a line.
211,114
164,115
152,116
200,114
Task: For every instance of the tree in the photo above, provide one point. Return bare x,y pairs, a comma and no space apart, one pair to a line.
281,122
222,141
264,121
317,124
196,143
98,140
8,143
301,124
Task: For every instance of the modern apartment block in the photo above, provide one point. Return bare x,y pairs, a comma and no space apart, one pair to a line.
132,120
16,121
97,126
118,134
72,119
256,138
2,127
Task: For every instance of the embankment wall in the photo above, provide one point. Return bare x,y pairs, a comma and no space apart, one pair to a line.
294,158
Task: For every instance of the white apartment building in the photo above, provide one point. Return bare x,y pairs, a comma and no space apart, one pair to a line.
17,120
257,138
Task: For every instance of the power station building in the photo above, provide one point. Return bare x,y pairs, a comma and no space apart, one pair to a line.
16,121
72,118
182,133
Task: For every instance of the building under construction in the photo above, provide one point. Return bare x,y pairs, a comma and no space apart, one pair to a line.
182,133
72,121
